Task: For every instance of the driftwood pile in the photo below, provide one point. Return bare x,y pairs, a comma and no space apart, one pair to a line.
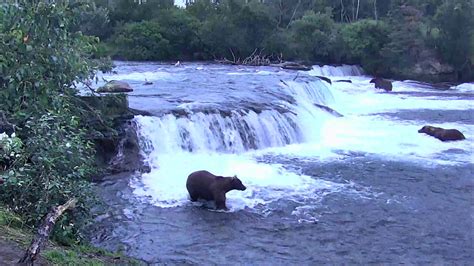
254,59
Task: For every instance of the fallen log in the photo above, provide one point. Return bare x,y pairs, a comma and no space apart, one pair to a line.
44,230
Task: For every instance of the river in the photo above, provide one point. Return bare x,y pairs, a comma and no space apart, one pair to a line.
356,186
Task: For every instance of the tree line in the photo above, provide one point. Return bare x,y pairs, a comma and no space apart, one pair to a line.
397,38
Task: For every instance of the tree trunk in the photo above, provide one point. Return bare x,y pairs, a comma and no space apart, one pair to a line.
357,12
342,11
375,10
44,230
294,13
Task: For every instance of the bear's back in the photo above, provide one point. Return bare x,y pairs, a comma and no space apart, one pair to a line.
202,184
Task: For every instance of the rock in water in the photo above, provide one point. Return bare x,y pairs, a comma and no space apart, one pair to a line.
295,66
344,80
382,84
115,86
442,134
328,80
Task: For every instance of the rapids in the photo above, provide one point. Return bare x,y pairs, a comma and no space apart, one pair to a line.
362,186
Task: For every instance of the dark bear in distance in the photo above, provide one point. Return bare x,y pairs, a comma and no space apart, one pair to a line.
382,84
442,134
204,185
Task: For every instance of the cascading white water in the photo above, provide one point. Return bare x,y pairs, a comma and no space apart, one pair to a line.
337,71
176,145
236,133
240,130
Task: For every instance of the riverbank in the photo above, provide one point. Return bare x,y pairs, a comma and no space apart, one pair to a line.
15,238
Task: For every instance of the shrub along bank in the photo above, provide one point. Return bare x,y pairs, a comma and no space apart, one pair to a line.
50,157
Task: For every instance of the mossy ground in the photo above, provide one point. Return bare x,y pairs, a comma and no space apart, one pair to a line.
15,238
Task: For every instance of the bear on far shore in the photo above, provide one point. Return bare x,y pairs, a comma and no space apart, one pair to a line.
442,134
204,185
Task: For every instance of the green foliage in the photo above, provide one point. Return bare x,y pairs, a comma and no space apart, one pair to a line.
314,36
180,29
455,21
386,37
141,41
94,21
201,9
364,40
278,44
406,44
44,55
133,11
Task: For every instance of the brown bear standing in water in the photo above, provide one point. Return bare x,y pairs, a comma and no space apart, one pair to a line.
204,185
442,134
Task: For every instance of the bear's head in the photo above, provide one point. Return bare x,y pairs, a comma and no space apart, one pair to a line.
427,129
237,184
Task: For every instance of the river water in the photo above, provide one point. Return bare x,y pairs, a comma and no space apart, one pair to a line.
355,185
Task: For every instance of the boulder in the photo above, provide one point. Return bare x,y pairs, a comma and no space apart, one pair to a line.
127,157
115,86
295,66
442,134
117,148
382,84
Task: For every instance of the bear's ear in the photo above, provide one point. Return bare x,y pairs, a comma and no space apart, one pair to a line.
234,177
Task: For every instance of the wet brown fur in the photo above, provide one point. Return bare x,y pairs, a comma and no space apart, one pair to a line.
442,134
204,185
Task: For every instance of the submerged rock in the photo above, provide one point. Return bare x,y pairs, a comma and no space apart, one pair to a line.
295,66
344,80
442,134
329,110
382,84
325,79
115,86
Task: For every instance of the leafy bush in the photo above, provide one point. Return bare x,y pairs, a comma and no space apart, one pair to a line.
50,158
454,19
180,29
141,41
314,36
364,40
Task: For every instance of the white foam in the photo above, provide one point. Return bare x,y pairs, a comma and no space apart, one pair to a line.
139,76
465,87
336,71
165,185
217,146
361,98
393,140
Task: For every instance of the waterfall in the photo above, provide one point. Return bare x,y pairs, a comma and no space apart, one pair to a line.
338,71
225,139
241,130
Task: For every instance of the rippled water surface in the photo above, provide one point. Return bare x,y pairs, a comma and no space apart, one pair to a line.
336,173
